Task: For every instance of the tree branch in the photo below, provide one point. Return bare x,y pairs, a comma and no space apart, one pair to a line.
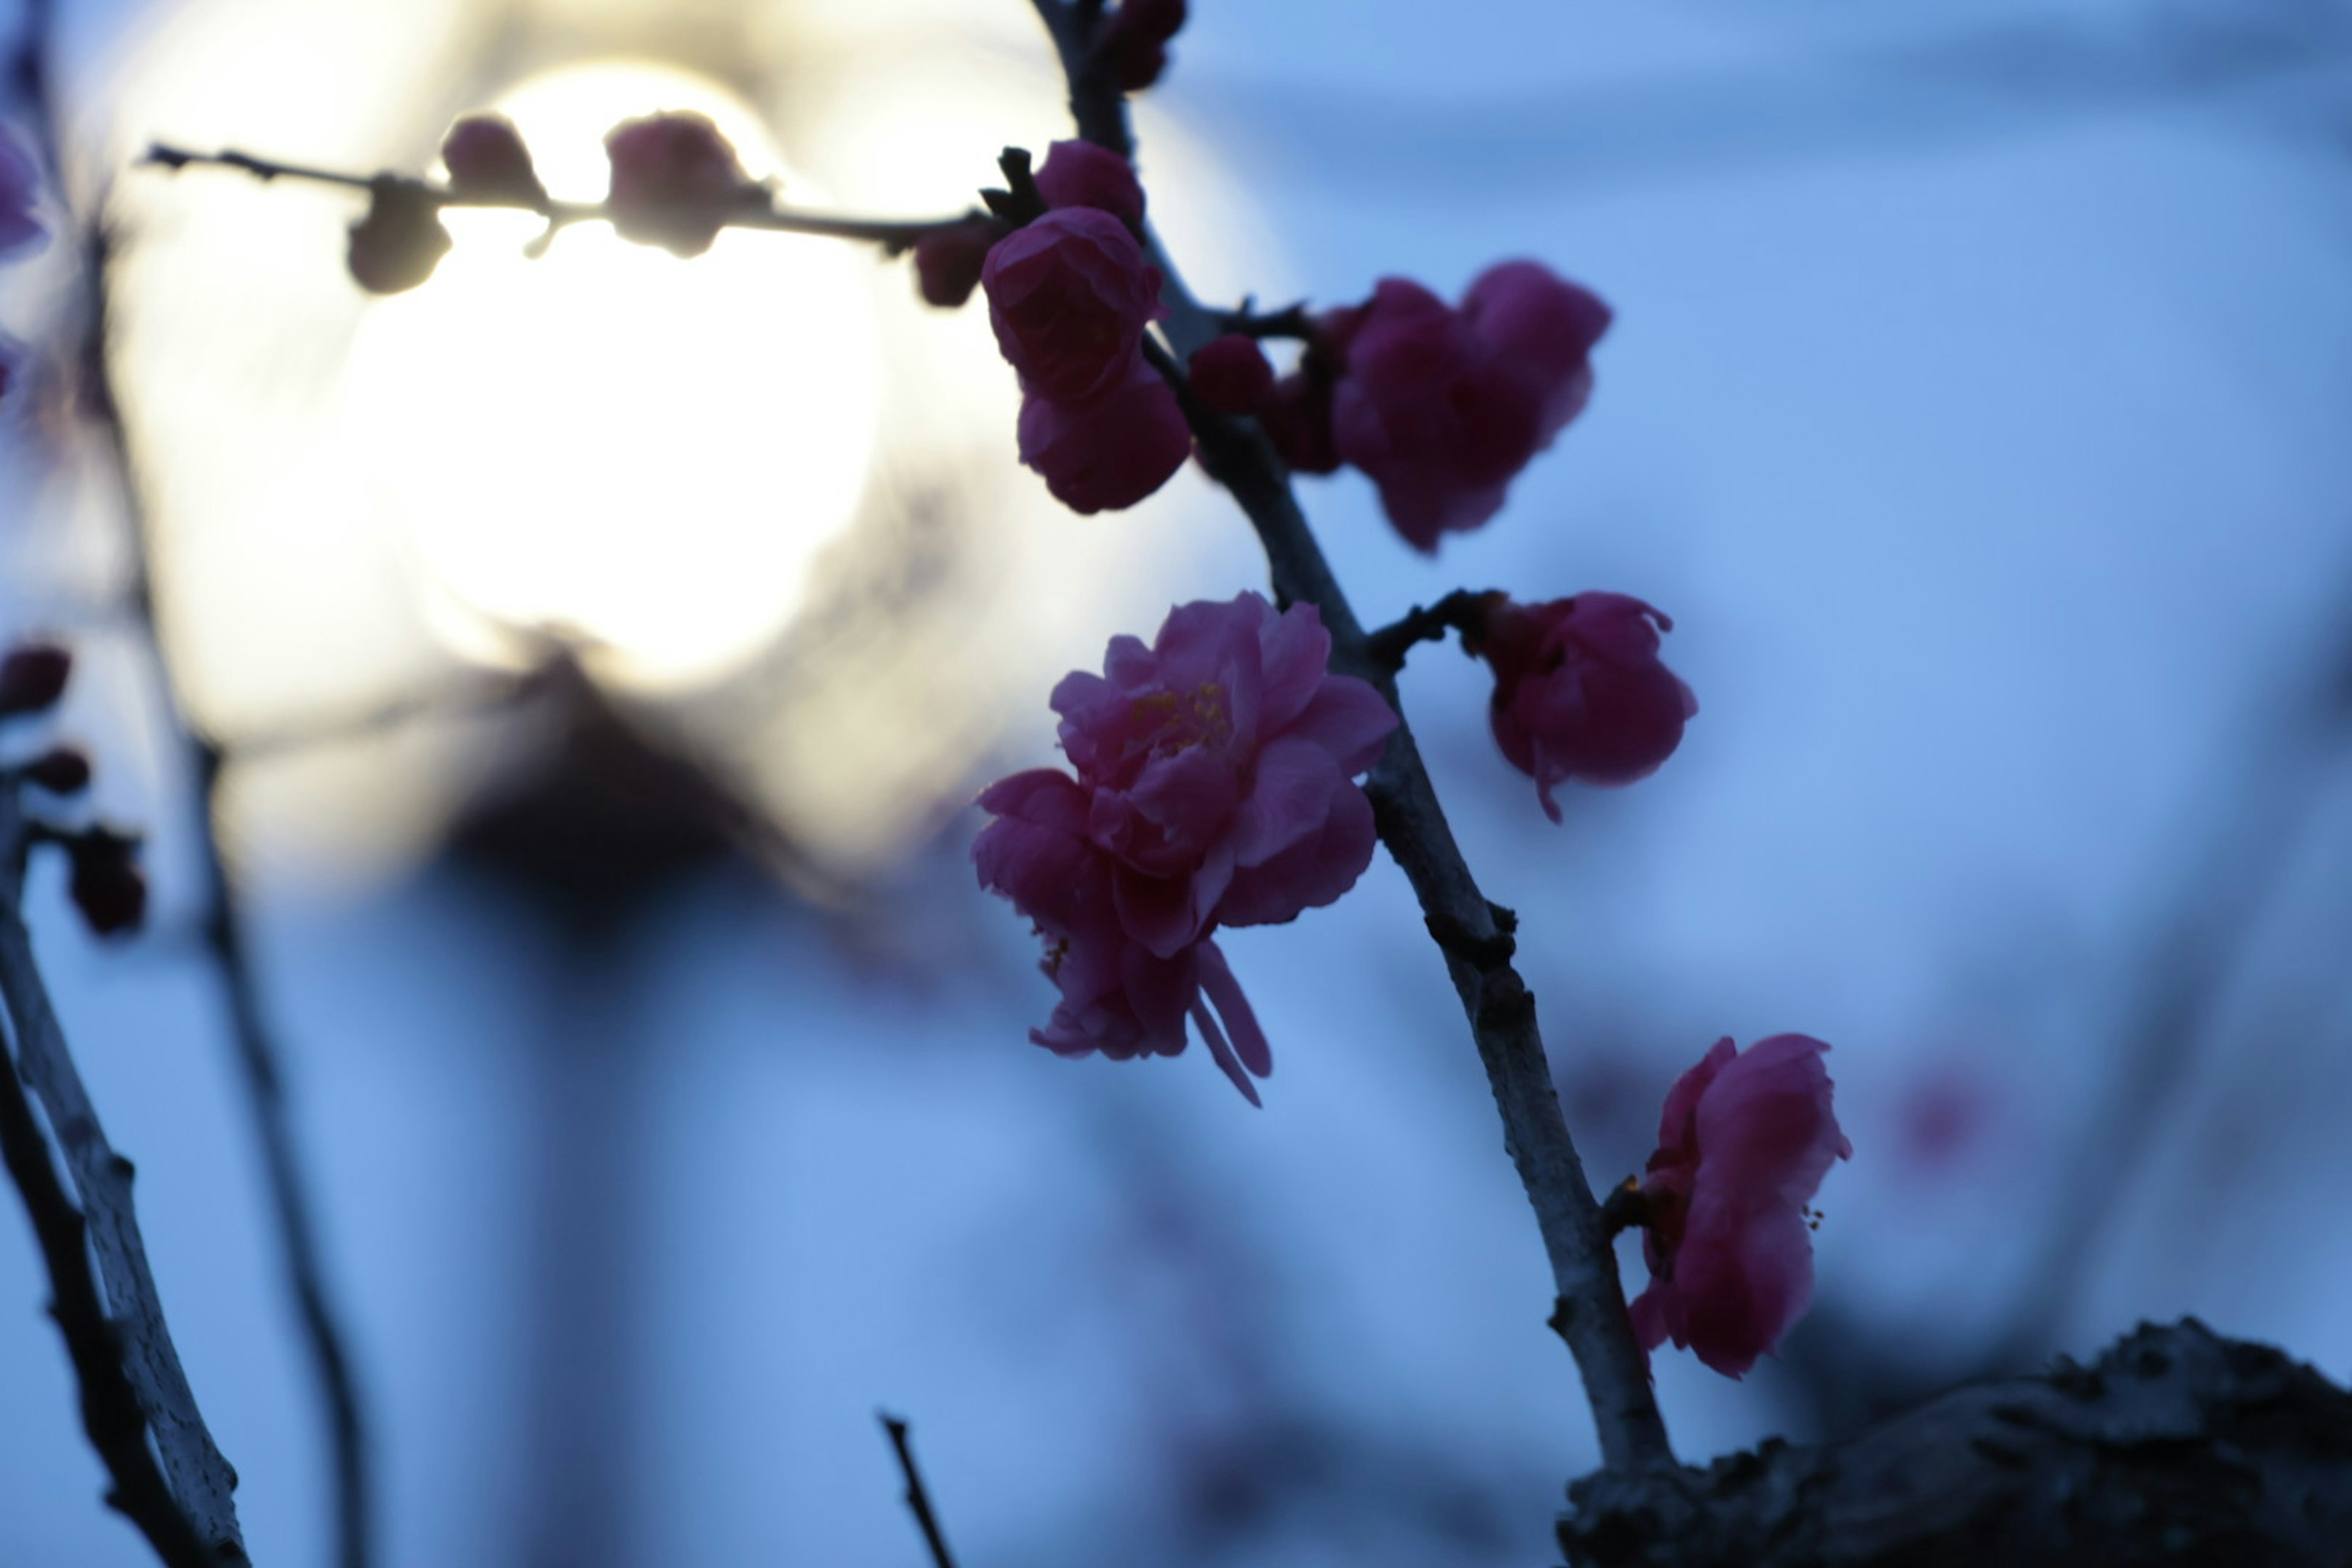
1590,1311
919,1500
129,1331
2178,1446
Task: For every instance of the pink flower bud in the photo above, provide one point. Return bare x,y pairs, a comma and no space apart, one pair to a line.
676,182
1070,296
1230,374
401,241
1441,408
20,188
33,678
1107,453
106,883
1578,691
61,772
1214,786
1134,41
948,261
1744,1143
1081,174
488,162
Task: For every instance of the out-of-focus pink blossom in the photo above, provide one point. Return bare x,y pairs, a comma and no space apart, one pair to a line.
948,261
1070,296
1441,408
488,162
1297,414
1214,786
33,677
1081,174
1743,1145
1106,453
399,241
1134,40
676,180
1230,373
1579,690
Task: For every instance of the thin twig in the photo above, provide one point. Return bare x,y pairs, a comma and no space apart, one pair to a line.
919,1500
198,1480
892,233
1590,1311
257,1053
1457,611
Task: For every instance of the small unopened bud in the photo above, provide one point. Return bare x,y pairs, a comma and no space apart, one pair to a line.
488,162
676,182
61,772
33,678
948,261
401,241
107,885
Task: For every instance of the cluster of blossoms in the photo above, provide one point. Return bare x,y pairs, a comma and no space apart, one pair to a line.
1214,786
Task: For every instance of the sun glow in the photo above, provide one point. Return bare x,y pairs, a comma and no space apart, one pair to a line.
610,444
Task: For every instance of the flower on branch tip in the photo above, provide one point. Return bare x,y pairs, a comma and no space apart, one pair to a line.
20,188
399,241
1134,40
1068,296
1230,374
1081,174
1214,785
676,182
1441,407
1580,693
488,162
106,883
1744,1143
1108,452
32,677
948,260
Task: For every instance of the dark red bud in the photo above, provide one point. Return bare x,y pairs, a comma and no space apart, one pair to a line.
489,161
948,261
107,885
1134,40
1230,373
401,241
62,772
33,678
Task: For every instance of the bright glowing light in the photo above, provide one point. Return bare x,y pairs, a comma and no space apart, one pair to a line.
609,442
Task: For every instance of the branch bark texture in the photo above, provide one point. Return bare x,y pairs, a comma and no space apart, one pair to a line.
2178,1446
130,1316
1473,934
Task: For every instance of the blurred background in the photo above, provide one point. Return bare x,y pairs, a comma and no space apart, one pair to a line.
592,659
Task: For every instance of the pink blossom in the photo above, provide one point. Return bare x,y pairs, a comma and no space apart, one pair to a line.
1444,407
399,241
1106,453
1213,788
1297,414
676,180
1578,691
1220,762
1117,996
1068,296
1230,374
1743,1145
488,162
948,261
1081,174
20,187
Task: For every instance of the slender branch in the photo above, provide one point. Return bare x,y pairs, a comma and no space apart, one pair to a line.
1457,611
892,233
919,1500
199,1480
1590,1311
